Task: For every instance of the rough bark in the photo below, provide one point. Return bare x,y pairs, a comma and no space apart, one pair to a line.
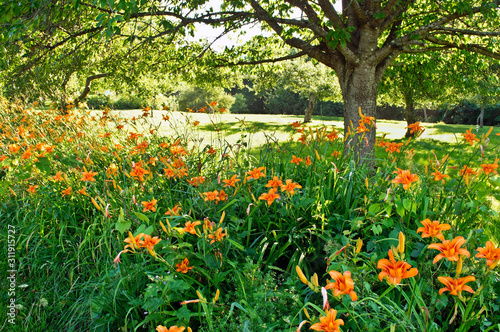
310,108
409,110
359,90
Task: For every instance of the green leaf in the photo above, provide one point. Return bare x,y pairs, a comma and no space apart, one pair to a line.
374,208
44,165
122,227
407,204
152,304
183,313
142,217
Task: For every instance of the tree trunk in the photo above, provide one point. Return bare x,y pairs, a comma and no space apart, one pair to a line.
359,91
409,110
480,118
310,108
425,113
86,90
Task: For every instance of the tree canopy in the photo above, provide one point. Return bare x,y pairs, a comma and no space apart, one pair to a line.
359,42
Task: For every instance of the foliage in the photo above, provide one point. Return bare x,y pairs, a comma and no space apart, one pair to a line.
128,228
196,98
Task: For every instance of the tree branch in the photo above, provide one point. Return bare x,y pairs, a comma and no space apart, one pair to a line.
331,14
257,62
424,31
86,90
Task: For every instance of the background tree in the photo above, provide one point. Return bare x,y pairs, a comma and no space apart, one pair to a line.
359,43
303,76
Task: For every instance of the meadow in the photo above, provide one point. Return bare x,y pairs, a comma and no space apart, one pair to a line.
169,221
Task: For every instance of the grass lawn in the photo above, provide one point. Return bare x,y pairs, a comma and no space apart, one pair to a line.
263,128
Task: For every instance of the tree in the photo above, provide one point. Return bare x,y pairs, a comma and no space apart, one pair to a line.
419,79
302,76
359,43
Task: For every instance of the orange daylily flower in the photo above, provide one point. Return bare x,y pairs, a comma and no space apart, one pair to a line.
134,242
343,284
308,161
211,196
332,136
217,236
161,328
149,206
26,155
395,271
393,147
450,249
58,177
456,286
211,151
66,192
415,128
141,147
361,128
491,253
149,242
14,148
32,189
470,137
183,267
222,196
196,181
88,176
189,227
405,178
438,176
231,182
433,229
138,172
295,124
82,191
174,211
274,183
466,172
328,323
335,154
270,196
490,168
256,173
296,160
289,187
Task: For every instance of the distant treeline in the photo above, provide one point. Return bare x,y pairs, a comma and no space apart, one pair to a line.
282,101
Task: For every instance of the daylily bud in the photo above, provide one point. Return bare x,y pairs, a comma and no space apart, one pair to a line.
307,313
95,204
326,305
163,227
314,280
359,244
200,296
216,296
301,275
401,246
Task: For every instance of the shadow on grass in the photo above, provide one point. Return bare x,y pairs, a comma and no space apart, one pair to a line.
247,126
